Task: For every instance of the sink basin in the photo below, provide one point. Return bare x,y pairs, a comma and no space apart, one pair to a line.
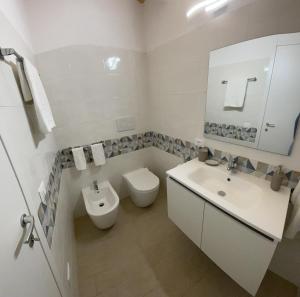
229,187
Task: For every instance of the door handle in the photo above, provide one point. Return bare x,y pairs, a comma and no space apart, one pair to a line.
270,125
29,237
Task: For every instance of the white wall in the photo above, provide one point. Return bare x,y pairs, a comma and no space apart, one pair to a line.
165,19
87,98
61,23
178,52
178,69
32,160
15,11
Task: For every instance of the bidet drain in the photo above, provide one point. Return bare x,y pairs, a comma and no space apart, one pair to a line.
101,204
221,193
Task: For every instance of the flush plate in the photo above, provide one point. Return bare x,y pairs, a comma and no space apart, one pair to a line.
125,124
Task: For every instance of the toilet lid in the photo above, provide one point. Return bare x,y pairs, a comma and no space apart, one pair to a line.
142,179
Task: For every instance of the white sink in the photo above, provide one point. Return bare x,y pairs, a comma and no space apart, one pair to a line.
246,197
229,187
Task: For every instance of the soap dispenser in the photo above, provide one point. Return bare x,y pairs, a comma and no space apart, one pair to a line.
277,179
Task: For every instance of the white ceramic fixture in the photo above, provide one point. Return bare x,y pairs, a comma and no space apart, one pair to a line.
235,218
143,186
101,203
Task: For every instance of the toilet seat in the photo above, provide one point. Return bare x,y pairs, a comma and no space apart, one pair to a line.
142,180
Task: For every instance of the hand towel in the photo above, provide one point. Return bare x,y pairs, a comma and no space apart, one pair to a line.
79,158
296,194
293,226
27,97
236,93
98,154
41,103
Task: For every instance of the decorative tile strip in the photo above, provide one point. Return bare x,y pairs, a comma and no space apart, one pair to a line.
257,168
47,211
231,131
112,148
182,149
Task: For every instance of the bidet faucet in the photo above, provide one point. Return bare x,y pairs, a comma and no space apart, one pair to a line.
231,163
95,184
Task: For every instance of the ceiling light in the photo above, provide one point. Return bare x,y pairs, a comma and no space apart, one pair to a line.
199,6
215,6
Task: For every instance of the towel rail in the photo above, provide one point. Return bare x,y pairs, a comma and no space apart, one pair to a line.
224,82
10,51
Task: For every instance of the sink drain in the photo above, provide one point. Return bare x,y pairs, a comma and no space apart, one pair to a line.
221,193
101,204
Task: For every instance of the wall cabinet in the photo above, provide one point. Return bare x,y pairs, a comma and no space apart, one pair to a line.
185,209
243,253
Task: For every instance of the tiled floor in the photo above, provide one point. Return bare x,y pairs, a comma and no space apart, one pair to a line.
145,254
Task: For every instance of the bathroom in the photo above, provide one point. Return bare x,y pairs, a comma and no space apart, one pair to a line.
114,194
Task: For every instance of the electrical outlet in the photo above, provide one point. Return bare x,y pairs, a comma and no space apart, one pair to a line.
42,192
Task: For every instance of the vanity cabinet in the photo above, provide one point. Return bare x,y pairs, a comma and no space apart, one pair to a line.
238,250
185,209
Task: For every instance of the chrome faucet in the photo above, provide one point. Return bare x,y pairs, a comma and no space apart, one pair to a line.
95,184
232,163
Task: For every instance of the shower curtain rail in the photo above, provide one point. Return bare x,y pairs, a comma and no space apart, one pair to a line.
10,51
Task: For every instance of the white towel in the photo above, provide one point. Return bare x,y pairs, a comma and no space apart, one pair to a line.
41,103
293,226
236,93
296,194
98,154
27,97
79,158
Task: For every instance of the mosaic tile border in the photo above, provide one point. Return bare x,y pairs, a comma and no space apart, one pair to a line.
231,131
182,149
112,148
47,211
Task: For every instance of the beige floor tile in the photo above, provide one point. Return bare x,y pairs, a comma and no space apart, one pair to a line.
146,255
275,286
157,292
87,287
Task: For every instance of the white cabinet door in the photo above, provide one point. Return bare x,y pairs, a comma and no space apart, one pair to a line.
239,251
24,270
283,106
185,209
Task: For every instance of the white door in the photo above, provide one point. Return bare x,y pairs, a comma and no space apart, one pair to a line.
283,105
24,270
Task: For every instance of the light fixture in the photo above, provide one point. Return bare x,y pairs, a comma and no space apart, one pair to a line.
209,5
215,6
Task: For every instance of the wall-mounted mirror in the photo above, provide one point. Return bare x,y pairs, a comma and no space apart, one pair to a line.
253,95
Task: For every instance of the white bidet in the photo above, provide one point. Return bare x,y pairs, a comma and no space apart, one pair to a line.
101,203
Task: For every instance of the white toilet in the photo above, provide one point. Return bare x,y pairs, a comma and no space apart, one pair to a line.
143,186
101,203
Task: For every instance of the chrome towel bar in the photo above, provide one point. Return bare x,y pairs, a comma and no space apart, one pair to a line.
10,51
224,82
